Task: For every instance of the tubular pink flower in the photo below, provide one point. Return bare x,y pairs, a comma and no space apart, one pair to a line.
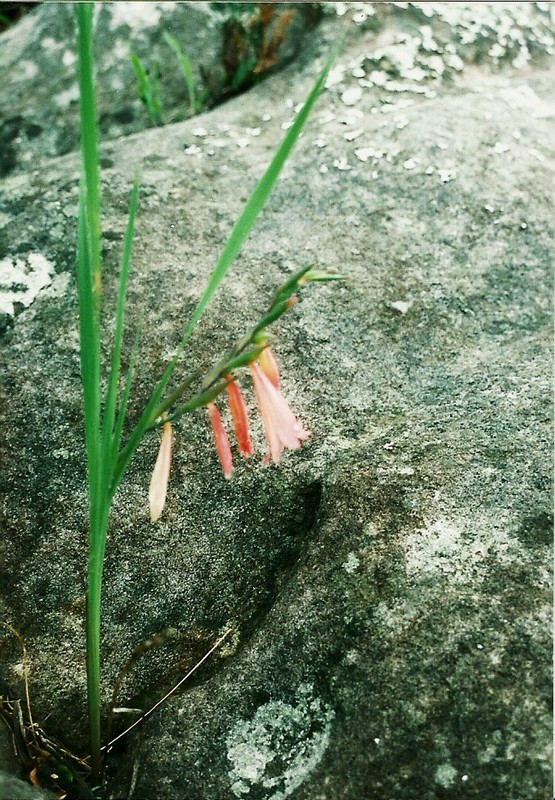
240,418
222,442
281,426
161,474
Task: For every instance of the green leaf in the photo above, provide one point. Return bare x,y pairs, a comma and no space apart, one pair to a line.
89,138
148,90
122,411
157,106
256,203
89,343
113,380
185,65
89,280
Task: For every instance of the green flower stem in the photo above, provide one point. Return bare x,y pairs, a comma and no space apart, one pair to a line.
177,393
239,233
238,356
199,400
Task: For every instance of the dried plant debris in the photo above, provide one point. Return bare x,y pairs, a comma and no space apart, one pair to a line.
257,38
42,760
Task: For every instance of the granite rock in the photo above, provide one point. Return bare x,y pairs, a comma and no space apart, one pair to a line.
387,588
40,115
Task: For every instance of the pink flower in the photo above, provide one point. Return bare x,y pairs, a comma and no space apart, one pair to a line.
161,474
222,442
281,426
240,417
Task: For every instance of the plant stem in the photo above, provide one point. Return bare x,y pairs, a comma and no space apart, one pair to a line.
89,283
93,654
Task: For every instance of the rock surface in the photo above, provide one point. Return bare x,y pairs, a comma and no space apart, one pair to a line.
40,110
388,586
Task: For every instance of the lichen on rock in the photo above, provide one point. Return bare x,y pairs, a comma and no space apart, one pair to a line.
275,751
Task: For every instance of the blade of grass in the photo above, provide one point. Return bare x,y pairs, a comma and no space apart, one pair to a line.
236,239
144,83
89,136
122,411
89,287
88,252
113,381
90,352
185,65
155,93
256,203
149,89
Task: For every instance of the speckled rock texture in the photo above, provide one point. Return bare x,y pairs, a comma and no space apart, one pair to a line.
388,586
228,46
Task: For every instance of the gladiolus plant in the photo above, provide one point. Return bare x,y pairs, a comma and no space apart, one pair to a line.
109,452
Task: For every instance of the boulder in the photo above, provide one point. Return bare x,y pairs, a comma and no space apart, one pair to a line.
386,589
228,47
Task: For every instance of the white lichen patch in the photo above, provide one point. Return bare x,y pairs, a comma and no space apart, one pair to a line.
524,98
279,746
351,563
402,306
459,550
352,95
21,280
28,68
454,34
49,43
445,775
138,15
69,58
63,99
59,285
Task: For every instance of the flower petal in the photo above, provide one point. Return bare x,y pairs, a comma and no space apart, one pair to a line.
161,474
240,418
275,447
281,427
222,442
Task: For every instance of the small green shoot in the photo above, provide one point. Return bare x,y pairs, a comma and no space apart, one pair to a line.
186,69
149,89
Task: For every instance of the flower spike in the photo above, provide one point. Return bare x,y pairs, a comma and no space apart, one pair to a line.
221,439
161,474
